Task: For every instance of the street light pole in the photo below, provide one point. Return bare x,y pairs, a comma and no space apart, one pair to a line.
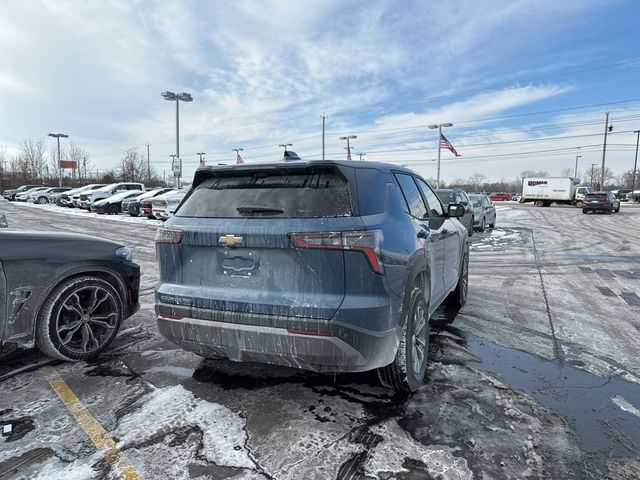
173,97
347,138
635,165
575,173
200,154
57,136
592,165
439,127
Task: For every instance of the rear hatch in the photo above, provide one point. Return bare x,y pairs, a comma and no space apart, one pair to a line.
239,251
596,199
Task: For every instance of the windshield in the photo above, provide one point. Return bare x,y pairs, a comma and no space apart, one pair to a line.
476,200
446,197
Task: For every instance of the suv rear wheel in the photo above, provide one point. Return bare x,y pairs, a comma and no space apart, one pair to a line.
406,373
458,297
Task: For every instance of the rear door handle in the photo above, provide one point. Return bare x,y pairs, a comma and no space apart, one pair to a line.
423,233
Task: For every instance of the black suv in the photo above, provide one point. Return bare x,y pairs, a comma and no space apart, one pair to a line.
601,202
326,266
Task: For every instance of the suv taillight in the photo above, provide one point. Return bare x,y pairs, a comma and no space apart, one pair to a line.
365,241
166,235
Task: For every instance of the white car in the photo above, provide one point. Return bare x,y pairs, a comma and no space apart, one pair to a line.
66,199
164,206
49,195
88,198
22,197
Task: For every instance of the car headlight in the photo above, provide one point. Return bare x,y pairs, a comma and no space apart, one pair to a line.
125,253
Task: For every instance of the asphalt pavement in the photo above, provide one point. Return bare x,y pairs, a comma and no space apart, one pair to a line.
538,376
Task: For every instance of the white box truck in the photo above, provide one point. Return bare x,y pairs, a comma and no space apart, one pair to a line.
543,191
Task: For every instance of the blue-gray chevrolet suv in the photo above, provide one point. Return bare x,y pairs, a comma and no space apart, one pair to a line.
328,266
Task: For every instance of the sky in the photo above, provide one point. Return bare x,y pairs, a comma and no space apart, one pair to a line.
526,83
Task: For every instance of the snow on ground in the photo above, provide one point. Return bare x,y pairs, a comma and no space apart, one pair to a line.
84,213
168,409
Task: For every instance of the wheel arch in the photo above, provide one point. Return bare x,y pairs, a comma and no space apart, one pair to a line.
100,271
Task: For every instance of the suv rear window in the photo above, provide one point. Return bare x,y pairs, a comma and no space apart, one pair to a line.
595,196
270,194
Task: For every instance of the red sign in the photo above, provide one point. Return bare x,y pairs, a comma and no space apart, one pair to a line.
70,164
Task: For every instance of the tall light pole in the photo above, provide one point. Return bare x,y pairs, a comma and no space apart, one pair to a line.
285,145
173,168
361,154
635,164
177,97
575,173
200,154
592,165
57,136
607,128
439,127
347,138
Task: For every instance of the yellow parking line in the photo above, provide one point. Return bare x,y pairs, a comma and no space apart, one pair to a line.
94,430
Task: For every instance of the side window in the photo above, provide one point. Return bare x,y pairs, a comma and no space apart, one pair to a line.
435,207
464,197
416,205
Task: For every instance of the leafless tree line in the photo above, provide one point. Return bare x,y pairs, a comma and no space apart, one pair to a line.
32,163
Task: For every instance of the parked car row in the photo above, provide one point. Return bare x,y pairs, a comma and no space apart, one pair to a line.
115,198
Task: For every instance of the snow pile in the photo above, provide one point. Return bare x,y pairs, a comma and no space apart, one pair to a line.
172,408
391,453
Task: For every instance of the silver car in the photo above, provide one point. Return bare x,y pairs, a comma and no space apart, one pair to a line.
484,211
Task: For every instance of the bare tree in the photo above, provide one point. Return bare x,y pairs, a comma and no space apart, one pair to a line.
132,166
81,157
477,180
32,154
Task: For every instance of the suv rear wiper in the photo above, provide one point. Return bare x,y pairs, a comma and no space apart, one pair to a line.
267,210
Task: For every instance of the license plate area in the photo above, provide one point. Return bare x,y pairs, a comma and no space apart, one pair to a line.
239,265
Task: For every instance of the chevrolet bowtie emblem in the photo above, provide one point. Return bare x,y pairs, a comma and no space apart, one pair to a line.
230,240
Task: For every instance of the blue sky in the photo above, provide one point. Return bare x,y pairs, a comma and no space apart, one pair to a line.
262,73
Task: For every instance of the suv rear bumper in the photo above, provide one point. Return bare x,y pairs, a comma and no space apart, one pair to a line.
316,345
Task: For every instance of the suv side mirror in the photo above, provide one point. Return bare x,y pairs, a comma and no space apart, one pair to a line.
455,210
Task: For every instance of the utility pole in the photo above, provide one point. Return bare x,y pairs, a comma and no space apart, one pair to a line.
323,117
347,138
361,154
575,173
148,165
592,165
635,165
607,129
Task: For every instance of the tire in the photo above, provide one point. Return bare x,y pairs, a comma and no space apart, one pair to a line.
617,210
470,229
75,302
584,210
43,200
113,209
579,204
539,203
482,225
492,225
458,297
406,373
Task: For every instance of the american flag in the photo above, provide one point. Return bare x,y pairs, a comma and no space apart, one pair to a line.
239,160
444,143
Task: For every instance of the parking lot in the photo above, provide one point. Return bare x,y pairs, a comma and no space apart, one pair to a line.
538,376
